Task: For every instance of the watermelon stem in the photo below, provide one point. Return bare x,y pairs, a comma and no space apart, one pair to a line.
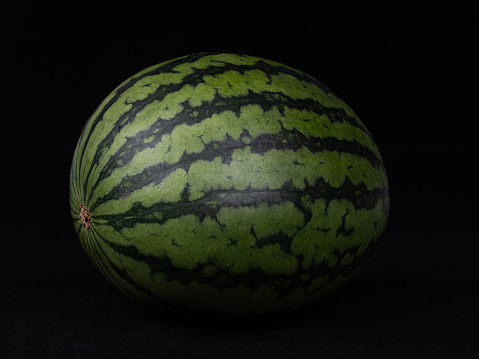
85,217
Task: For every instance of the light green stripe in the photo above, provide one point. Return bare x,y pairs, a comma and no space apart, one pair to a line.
189,242
75,187
208,242
274,168
322,228
230,83
249,170
186,139
311,124
192,139
138,91
168,191
103,257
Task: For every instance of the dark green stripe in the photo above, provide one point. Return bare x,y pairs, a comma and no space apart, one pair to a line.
105,266
254,279
266,100
121,90
358,195
111,266
287,140
260,145
130,114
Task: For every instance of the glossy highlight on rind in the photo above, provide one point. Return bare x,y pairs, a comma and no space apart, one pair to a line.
229,184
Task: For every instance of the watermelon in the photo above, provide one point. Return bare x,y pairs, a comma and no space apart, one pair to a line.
227,185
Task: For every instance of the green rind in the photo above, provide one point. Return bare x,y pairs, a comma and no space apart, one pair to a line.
228,183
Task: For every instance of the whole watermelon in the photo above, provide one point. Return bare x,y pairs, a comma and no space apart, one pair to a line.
229,185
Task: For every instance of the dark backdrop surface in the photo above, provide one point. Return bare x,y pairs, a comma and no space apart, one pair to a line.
410,74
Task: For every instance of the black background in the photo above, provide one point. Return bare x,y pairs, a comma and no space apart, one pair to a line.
408,71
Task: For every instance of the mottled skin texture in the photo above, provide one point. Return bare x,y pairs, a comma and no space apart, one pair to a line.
229,184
